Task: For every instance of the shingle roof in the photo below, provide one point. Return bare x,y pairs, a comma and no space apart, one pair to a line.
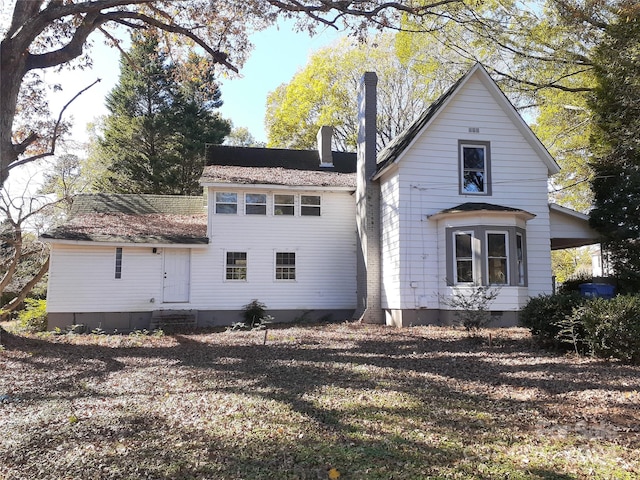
156,219
480,207
271,166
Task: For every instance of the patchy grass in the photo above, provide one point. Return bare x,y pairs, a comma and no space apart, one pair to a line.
361,402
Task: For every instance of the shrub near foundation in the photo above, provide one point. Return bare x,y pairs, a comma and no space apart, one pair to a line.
34,317
545,315
613,327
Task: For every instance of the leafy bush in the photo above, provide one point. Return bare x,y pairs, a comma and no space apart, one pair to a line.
546,315
613,327
34,317
253,313
572,284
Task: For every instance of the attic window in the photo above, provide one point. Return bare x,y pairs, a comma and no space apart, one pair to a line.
474,168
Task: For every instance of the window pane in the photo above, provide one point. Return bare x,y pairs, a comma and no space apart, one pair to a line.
464,271
463,245
473,158
498,271
226,197
283,210
520,254
256,209
283,199
310,211
496,245
226,208
256,198
474,169
473,181
310,200
463,257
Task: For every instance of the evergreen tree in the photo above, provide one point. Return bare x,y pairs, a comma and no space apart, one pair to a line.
616,143
155,135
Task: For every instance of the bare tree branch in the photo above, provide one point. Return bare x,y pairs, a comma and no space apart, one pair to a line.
56,133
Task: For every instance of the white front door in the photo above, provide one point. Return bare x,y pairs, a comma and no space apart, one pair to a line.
177,274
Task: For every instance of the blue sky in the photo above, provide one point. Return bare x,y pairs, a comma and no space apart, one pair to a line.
278,53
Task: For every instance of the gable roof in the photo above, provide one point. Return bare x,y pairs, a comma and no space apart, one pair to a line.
394,150
273,166
133,218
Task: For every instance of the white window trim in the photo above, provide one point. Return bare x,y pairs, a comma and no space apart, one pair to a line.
216,203
486,146
319,206
275,205
455,233
226,266
275,266
247,204
118,264
507,256
522,275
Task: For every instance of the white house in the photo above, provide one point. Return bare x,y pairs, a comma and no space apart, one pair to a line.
458,199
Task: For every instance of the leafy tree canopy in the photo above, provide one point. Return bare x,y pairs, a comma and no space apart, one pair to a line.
322,93
159,123
42,34
616,144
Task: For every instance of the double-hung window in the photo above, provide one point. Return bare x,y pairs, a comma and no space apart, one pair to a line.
487,255
463,252
285,266
474,168
310,205
283,205
520,258
497,258
255,203
236,266
226,202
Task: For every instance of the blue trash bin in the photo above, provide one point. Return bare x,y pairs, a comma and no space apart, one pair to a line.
602,290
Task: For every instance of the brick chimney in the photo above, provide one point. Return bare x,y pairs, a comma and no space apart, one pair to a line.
369,290
324,146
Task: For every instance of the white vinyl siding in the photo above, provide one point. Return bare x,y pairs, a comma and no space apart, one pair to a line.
427,179
325,255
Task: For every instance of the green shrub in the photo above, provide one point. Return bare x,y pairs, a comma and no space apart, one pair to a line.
34,316
253,313
572,284
613,327
546,315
